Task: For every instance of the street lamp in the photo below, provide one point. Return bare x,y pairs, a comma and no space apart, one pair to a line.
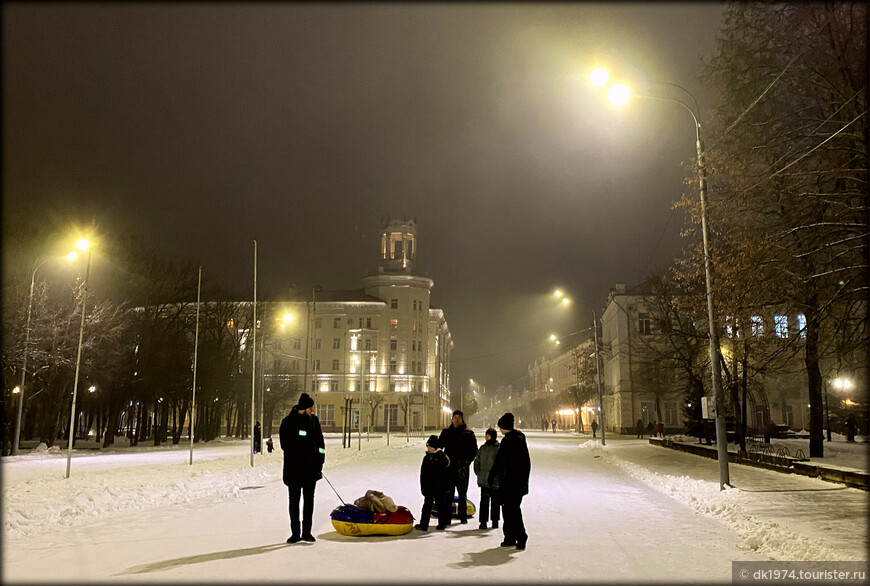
82,244
15,440
619,94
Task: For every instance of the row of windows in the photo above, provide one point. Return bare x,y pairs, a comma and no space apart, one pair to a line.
416,367
333,386
418,305
758,326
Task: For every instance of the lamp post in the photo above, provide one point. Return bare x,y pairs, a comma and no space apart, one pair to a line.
619,95
81,245
17,435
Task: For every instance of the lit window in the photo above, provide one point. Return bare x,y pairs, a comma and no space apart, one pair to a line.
780,324
757,328
802,325
394,324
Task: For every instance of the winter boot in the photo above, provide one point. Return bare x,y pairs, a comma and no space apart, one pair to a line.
495,524
482,526
421,527
308,537
293,539
521,542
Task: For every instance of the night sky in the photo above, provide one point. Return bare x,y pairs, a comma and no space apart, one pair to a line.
304,126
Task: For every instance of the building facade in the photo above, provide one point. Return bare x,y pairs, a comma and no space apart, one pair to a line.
373,358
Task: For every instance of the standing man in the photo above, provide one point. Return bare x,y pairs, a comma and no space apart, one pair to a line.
304,453
460,445
511,471
594,427
257,438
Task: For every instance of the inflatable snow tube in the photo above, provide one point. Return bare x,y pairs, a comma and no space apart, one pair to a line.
469,508
354,521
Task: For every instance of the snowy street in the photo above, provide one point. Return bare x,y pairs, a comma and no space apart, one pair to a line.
626,512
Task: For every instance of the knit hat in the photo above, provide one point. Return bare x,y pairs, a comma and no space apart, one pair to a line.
458,412
506,421
305,401
433,441
491,433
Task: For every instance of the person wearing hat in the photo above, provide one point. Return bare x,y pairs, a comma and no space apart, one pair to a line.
510,472
483,462
304,454
460,444
435,484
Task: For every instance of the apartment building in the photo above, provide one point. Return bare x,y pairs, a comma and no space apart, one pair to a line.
382,347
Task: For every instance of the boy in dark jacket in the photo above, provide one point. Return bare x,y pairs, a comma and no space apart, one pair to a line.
483,463
436,485
304,453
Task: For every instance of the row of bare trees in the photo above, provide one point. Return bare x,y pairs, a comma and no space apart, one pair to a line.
137,353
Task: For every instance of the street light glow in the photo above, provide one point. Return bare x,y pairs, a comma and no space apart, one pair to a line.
73,255
16,390
618,94
288,318
599,77
83,244
558,293
842,383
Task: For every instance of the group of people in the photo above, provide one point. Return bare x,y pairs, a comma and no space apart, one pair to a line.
502,471
654,428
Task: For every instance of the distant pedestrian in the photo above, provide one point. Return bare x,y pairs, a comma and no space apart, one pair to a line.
483,462
304,454
655,429
661,430
851,426
594,427
649,428
436,484
511,471
269,445
638,427
257,438
554,426
460,444
544,424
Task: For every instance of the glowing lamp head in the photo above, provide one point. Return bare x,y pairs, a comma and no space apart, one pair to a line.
287,318
73,255
558,293
599,77
618,94
83,244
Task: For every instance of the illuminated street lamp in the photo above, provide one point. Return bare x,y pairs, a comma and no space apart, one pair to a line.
619,94
17,436
839,384
82,244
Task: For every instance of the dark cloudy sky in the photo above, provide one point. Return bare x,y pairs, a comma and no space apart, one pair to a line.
303,126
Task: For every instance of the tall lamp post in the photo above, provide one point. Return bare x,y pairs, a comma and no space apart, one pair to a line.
17,438
82,244
619,95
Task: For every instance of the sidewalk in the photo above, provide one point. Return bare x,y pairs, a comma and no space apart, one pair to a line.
764,506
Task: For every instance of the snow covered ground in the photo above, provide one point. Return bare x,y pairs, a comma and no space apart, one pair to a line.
624,512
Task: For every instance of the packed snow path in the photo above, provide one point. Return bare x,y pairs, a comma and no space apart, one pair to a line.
628,512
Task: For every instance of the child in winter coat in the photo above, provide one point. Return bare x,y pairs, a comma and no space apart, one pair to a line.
436,485
483,462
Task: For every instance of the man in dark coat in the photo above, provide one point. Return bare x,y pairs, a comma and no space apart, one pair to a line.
511,471
257,438
460,444
304,453
436,484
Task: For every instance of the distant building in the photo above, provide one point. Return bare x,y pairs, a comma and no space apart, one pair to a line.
383,344
644,380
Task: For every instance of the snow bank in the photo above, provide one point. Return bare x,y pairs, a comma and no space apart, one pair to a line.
761,536
43,503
